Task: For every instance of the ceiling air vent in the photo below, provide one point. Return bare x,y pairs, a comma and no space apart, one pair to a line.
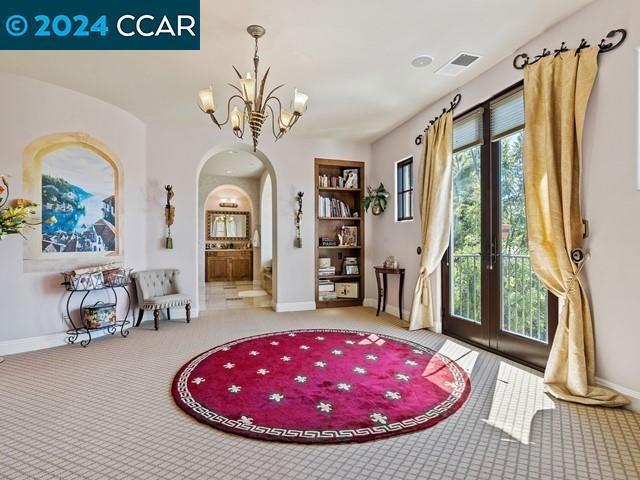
458,64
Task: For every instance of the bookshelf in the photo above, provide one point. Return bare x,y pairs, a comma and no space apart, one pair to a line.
337,200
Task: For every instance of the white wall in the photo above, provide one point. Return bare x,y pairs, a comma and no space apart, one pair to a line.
611,201
266,220
175,156
32,302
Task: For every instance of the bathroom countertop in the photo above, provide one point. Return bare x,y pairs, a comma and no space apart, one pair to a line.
228,249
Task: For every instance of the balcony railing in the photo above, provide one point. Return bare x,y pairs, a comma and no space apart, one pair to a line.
524,299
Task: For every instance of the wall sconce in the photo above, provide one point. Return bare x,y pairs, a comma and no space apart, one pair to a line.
228,203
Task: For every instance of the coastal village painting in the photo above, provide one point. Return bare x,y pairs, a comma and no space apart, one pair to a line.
79,191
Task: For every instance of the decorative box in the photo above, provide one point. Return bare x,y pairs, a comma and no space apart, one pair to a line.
324,262
347,290
99,315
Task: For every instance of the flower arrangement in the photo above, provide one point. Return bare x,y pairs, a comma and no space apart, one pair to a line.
376,198
14,219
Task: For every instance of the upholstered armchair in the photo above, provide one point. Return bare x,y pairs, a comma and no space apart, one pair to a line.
159,290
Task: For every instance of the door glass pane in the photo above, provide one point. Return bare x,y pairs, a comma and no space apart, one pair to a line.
465,266
524,299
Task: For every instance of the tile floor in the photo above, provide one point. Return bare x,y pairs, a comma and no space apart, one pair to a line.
224,295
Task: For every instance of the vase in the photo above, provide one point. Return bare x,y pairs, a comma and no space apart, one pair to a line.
376,209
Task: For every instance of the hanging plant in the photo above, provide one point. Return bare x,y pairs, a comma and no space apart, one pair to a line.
376,198
14,219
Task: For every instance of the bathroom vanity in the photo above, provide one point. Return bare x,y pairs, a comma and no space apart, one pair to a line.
228,256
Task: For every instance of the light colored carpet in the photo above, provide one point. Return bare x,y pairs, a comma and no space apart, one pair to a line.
105,412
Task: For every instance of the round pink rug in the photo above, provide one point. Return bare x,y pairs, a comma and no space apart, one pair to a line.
320,386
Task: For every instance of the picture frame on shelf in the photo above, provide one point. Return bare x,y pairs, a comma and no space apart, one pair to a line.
350,176
351,270
350,236
347,290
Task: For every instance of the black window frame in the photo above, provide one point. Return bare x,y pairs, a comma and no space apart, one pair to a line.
401,215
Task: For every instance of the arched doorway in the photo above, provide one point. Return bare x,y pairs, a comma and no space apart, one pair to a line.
233,178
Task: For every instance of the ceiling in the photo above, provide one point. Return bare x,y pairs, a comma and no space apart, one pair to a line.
234,164
353,59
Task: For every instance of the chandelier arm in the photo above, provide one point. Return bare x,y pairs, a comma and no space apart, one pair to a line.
215,120
271,95
220,124
245,119
292,120
279,135
236,88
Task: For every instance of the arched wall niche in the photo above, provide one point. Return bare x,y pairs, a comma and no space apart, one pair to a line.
77,179
274,233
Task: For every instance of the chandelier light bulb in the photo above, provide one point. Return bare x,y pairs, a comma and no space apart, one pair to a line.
248,87
236,118
299,102
206,100
285,120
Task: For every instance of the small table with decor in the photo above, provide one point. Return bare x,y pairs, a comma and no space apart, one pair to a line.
382,289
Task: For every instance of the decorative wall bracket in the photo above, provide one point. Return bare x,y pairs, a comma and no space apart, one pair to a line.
298,240
169,214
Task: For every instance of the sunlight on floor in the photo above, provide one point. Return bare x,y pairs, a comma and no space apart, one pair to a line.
231,295
518,396
462,355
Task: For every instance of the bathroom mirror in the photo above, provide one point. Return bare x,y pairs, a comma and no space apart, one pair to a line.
225,225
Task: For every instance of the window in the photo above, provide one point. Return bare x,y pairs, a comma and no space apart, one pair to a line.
404,189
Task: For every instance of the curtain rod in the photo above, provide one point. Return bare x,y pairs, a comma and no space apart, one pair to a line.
522,60
454,103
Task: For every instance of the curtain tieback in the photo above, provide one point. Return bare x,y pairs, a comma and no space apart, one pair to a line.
579,257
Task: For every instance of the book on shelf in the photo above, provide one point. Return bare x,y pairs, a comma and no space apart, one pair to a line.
327,242
348,179
351,266
328,296
327,271
332,207
324,262
326,286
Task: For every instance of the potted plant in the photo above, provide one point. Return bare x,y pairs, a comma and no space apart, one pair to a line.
14,219
376,198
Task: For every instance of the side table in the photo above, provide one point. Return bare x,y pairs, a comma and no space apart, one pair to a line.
382,289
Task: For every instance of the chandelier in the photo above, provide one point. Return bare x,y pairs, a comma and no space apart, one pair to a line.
254,107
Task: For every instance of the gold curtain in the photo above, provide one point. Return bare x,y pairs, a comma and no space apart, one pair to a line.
556,92
435,212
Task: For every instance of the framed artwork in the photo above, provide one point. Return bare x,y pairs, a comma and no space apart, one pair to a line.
75,180
350,236
78,190
350,176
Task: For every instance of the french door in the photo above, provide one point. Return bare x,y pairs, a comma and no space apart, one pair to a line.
491,297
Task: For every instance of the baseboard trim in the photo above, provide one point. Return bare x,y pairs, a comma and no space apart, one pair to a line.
391,309
632,395
31,344
295,306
